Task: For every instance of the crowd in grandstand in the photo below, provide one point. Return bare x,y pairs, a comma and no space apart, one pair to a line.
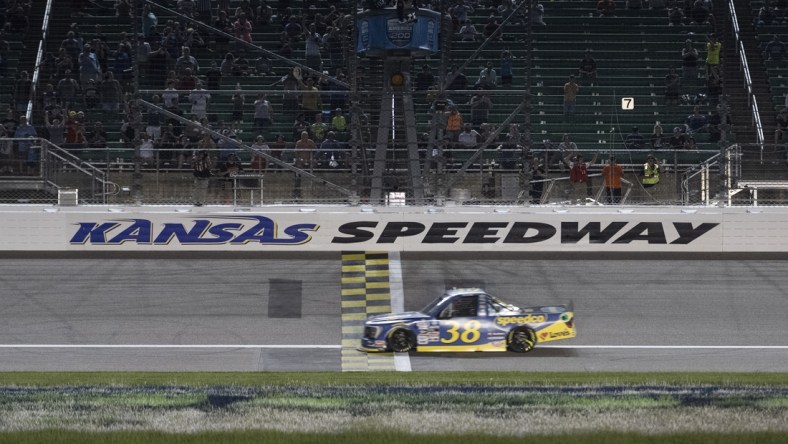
194,59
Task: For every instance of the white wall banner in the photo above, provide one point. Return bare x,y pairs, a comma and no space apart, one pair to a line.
469,229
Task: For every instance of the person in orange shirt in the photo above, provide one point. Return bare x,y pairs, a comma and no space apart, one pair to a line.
612,173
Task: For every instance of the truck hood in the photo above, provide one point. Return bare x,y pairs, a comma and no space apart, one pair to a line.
397,317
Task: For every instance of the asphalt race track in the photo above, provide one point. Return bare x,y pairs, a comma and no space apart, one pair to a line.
282,313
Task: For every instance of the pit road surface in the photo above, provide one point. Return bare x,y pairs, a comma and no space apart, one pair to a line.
282,313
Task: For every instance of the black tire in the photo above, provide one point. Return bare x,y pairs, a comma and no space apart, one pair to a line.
521,340
401,341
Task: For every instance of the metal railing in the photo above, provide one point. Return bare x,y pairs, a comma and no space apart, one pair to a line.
744,67
39,59
45,167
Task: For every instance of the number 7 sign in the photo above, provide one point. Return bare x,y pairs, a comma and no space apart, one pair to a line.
628,103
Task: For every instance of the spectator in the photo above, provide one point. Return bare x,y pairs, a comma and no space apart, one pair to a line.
318,128
202,11
634,140
97,138
675,16
149,21
56,128
578,177
782,125
213,77
331,150
89,67
110,93
265,13
672,88
537,17
689,64
699,12
68,91
222,23
29,155
459,81
719,123
480,108
690,144
187,81
454,124
91,95
186,7
304,149
278,147
239,101
199,99
201,170
293,29
18,20
570,98
657,142
491,29
766,16
424,79
588,67
468,138
311,101
507,68
338,122
72,45
714,87
228,67
242,28
312,41
713,48
459,13
488,78
538,175
263,114
678,139
171,97
122,67
650,172
186,61
300,125
775,49
22,90
246,9
612,174
259,162
606,8
468,32
696,121
230,168
567,149
63,63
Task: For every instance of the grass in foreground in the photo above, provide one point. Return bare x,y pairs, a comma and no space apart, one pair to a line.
60,437
456,407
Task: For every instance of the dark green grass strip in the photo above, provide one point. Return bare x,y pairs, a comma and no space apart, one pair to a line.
414,378
64,437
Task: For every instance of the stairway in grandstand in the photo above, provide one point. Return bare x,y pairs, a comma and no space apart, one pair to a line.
634,51
770,85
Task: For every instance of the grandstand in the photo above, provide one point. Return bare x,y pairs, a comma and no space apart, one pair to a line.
393,146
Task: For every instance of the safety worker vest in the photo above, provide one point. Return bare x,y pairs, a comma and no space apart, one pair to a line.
650,174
